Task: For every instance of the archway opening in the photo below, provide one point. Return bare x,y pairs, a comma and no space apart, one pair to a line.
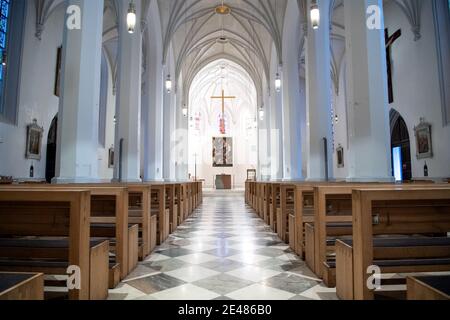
50,163
400,148
223,126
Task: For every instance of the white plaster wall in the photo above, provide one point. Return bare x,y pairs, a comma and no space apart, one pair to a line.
340,127
416,92
36,100
416,87
104,172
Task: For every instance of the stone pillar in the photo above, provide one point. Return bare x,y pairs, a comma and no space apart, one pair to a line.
80,95
276,136
169,130
318,96
369,157
128,97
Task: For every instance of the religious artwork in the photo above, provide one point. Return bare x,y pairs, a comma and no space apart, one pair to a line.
111,158
222,126
34,141
340,157
222,152
389,42
251,175
424,147
58,72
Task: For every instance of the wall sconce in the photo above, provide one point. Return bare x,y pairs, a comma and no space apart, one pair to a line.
185,111
315,15
261,113
131,18
277,83
4,58
168,84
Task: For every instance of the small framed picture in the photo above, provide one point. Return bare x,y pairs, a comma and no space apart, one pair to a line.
340,156
424,146
251,175
34,141
111,158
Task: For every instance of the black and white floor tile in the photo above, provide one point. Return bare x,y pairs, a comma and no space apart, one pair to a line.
224,251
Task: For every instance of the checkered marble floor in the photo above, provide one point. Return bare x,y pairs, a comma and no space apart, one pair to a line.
224,252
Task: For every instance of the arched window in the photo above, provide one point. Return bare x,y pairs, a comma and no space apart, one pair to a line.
4,28
12,22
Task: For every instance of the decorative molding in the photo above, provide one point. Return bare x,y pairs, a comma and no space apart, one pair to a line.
413,11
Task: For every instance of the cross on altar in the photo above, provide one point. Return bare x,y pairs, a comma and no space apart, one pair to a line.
222,120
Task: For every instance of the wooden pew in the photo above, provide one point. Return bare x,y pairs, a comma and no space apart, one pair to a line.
428,288
410,211
276,206
109,218
333,218
158,207
57,213
393,255
287,208
171,205
179,201
304,214
200,185
140,213
21,286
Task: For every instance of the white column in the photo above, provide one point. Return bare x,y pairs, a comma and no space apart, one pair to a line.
80,96
369,155
318,96
128,97
169,132
181,136
294,108
276,136
264,140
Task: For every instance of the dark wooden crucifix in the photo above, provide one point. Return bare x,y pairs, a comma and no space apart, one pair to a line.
389,42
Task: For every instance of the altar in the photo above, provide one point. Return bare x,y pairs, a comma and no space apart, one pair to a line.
223,182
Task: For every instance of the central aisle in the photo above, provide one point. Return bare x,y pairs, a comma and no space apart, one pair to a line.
224,251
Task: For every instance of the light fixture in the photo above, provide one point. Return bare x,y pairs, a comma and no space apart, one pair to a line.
336,118
131,17
261,113
278,82
115,120
315,15
185,111
168,84
3,57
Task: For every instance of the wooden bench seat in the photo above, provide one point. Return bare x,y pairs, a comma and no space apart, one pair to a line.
108,232
403,254
57,213
50,257
107,205
385,211
428,288
334,205
21,286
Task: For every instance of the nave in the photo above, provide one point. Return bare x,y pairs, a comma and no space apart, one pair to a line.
223,251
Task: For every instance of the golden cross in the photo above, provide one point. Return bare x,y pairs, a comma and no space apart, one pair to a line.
223,97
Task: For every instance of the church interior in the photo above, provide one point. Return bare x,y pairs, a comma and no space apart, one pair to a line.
224,150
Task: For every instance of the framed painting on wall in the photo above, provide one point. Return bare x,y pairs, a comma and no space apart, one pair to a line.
34,141
424,146
111,158
340,157
222,152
